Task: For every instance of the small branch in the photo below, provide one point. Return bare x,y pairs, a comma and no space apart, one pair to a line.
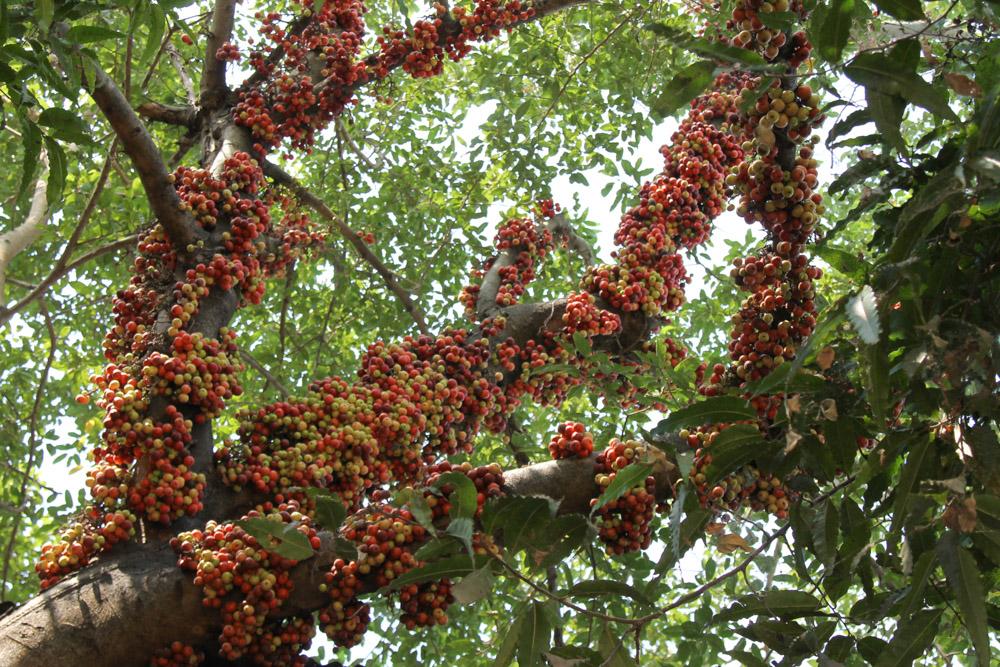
19,238
579,64
257,366
712,583
560,228
182,73
33,444
172,115
342,130
139,146
7,313
282,177
213,74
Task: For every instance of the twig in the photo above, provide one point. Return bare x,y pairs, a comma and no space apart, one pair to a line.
7,313
376,166
282,177
268,376
572,74
32,444
182,73
139,146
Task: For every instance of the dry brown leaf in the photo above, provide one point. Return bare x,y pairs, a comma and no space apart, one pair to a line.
828,409
728,543
825,358
715,528
963,85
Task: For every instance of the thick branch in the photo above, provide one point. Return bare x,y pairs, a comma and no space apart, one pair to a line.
146,157
282,177
213,75
19,238
117,611
170,114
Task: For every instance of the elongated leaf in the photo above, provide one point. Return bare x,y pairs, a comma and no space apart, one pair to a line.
684,87
628,477
451,568
788,378
280,538
714,410
86,34
602,587
517,519
31,140
963,577
889,76
535,636
918,582
908,478
65,125
474,586
772,603
463,497
912,638
905,10
57,171
330,511
835,30
844,125
735,447
887,111
508,648
862,310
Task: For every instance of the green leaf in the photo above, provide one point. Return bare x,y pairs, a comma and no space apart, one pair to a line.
628,477
568,532
772,603
505,654
844,125
912,638
535,636
884,74
708,48
463,497
877,359
330,511
908,478
518,519
450,568
921,574
280,538
683,87
157,26
887,112
31,138
65,125
57,171
905,10
717,409
923,212
45,10
87,34
735,447
474,586
964,579
602,587
832,36
787,378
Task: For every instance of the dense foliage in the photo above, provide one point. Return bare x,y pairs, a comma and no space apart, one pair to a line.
800,463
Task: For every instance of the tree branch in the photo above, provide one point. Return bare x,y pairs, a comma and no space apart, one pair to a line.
170,114
214,90
280,176
161,603
139,146
19,238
